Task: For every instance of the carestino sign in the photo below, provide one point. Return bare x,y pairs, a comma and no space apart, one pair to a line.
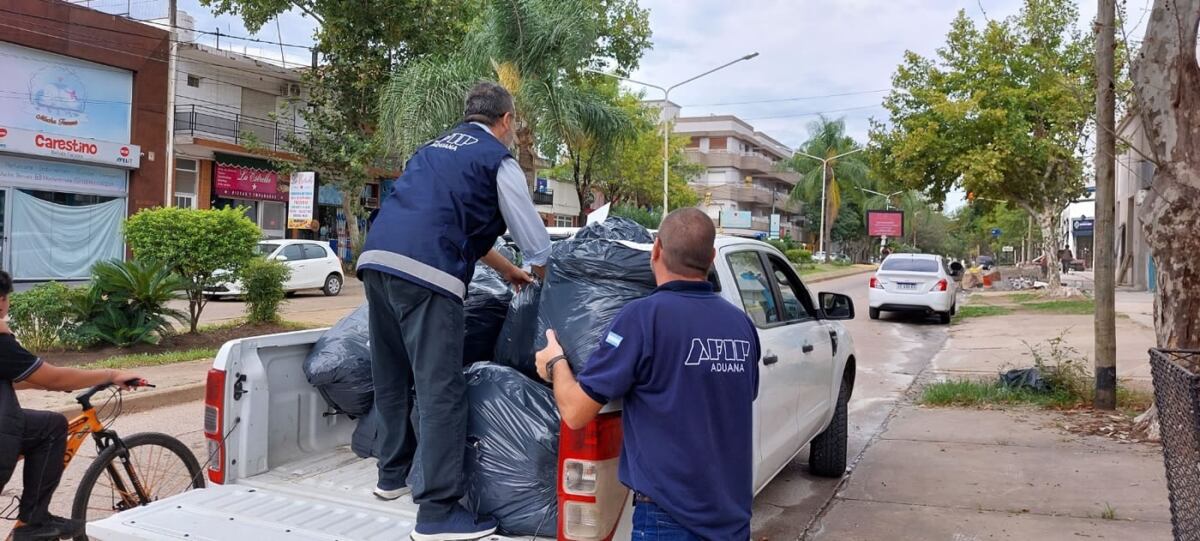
67,148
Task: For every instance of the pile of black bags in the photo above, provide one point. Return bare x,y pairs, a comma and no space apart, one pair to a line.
512,444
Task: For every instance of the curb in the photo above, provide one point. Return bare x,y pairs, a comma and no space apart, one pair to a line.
146,400
835,276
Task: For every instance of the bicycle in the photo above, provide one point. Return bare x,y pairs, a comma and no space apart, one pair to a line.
130,471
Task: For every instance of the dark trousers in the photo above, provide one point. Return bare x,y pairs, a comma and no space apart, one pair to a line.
651,523
417,343
43,445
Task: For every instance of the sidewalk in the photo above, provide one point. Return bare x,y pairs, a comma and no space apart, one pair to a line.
974,474
174,384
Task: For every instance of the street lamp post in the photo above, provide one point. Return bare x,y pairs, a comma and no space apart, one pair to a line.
824,169
666,97
887,204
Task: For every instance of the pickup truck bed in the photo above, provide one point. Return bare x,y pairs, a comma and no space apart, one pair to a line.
323,497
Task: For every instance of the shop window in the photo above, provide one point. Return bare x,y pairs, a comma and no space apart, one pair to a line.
185,201
273,216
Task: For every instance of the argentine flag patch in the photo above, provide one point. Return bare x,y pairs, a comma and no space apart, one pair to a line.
613,339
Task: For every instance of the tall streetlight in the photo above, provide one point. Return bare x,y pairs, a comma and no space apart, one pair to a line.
824,169
666,97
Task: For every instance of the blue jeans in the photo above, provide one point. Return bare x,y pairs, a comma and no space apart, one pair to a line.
651,523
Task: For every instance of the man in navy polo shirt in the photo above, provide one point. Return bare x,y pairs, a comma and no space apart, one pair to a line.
685,363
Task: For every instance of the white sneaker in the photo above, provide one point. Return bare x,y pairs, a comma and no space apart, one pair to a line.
390,495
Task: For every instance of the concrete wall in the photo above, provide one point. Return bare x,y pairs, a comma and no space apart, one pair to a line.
1133,172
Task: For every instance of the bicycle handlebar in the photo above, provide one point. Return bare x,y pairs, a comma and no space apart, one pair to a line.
85,398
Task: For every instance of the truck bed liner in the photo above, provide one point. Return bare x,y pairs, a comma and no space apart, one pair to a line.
325,497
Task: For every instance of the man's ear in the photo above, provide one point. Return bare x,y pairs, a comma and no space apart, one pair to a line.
656,251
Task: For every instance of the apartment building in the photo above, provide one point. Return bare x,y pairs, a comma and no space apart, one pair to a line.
743,184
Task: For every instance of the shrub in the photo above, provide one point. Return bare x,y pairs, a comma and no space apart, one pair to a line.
650,219
799,256
194,244
44,317
262,280
127,303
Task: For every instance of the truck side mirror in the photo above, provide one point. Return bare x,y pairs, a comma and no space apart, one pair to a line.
836,306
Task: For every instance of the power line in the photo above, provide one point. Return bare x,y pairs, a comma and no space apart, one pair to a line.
814,113
799,98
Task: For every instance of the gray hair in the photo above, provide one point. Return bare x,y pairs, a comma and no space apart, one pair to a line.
487,102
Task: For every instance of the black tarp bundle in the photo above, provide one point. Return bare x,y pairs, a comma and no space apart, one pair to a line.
339,365
520,331
512,455
590,279
484,311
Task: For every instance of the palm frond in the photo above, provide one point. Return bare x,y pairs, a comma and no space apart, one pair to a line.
423,99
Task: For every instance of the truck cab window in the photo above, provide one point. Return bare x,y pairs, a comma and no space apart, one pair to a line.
754,288
792,295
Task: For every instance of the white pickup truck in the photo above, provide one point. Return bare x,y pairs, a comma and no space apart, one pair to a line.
283,469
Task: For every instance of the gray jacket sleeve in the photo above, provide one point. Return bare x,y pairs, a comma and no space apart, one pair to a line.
522,218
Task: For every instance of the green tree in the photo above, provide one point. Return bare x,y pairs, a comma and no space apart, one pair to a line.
359,43
827,139
535,49
194,244
263,281
1002,111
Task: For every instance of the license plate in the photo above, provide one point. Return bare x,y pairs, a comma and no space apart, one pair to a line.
906,285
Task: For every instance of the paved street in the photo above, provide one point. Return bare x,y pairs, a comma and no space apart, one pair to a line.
310,306
890,353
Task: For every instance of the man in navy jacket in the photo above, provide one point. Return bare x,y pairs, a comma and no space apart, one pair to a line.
457,195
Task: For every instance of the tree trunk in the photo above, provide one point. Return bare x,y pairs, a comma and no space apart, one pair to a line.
1048,221
352,234
526,157
1165,78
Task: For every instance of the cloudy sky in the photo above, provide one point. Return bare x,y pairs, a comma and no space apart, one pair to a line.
831,56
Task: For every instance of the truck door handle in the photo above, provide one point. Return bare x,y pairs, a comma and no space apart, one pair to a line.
807,348
770,359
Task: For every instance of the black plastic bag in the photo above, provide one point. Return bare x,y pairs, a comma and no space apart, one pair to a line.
615,228
520,331
339,365
1024,378
512,463
484,311
588,283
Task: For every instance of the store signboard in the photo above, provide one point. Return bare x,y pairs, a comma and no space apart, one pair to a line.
243,182
76,149
774,226
60,95
59,176
302,199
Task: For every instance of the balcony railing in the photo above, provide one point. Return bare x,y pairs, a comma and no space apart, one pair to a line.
747,163
543,197
751,195
200,120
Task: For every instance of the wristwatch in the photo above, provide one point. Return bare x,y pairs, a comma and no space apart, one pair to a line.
550,366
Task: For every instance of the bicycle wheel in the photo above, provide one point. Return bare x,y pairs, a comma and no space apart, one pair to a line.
162,466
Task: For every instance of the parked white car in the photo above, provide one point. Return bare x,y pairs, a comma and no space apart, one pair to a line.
313,265
914,283
282,469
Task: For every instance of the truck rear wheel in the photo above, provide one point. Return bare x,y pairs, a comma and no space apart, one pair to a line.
827,452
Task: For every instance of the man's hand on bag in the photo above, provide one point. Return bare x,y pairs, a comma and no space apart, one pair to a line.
552,350
518,278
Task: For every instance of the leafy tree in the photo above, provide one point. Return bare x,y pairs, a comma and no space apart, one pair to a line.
535,49
360,43
650,219
827,139
263,281
1002,111
194,244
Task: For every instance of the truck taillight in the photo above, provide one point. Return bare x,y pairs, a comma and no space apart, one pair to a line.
941,285
590,497
214,407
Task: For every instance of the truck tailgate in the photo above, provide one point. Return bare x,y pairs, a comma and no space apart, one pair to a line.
222,513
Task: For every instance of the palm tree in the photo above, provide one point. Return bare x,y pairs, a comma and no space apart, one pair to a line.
827,138
531,47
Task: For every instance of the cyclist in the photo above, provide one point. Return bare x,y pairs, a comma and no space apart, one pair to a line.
39,436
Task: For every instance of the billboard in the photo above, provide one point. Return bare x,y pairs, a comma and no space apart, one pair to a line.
59,95
885,223
737,219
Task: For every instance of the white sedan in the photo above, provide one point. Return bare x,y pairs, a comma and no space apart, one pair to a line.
915,283
313,265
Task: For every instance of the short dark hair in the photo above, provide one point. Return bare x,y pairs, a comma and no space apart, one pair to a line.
487,102
5,284
686,238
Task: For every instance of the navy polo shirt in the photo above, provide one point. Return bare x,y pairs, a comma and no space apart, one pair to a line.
685,361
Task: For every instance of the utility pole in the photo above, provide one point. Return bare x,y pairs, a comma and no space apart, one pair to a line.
1106,337
172,67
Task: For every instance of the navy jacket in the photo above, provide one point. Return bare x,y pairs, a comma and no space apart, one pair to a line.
443,213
